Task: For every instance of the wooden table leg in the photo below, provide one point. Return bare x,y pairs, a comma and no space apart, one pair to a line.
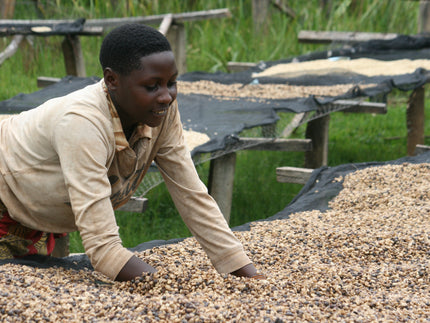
178,41
269,131
317,131
61,248
221,178
260,15
73,56
415,120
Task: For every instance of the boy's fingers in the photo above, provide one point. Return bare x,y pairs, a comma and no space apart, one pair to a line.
259,276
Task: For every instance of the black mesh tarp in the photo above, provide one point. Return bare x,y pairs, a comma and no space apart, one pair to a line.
27,101
222,120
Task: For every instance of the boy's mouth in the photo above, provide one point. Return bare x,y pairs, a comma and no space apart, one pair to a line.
160,112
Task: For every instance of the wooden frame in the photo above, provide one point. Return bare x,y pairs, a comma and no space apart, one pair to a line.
294,175
171,25
327,37
221,173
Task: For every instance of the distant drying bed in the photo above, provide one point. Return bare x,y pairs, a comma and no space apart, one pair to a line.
364,66
261,92
364,260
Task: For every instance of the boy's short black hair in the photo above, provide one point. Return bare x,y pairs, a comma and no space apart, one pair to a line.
125,45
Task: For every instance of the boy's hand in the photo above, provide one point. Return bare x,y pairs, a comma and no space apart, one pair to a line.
134,268
248,271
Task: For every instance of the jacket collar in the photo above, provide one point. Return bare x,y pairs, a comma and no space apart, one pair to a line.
121,142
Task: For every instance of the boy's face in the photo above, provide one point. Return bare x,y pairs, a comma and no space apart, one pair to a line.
145,94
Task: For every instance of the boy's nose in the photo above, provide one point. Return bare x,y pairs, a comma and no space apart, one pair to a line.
165,96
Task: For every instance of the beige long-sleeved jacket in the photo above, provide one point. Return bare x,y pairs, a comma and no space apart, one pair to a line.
62,171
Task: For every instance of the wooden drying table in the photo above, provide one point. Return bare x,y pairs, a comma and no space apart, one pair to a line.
171,25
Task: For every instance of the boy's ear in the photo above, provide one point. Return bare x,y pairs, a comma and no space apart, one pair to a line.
110,78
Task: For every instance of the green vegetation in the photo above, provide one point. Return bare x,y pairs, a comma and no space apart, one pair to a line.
211,44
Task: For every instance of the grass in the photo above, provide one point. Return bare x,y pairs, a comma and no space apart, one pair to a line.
211,45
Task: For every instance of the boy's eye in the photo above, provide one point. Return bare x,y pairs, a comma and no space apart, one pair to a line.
151,88
172,83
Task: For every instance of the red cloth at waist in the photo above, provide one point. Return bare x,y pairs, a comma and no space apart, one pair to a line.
17,240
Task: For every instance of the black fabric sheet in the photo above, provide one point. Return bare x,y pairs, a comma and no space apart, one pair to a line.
77,261
223,120
23,101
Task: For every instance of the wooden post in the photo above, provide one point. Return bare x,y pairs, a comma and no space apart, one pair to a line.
415,112
326,7
7,9
295,175
11,48
424,17
325,3
73,56
260,9
269,131
177,38
317,130
415,120
221,178
165,24
349,37
282,5
61,248
74,61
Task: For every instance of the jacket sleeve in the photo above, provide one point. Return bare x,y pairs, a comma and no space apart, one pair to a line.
84,149
197,208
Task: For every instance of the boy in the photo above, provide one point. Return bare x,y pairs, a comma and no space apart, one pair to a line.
66,165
